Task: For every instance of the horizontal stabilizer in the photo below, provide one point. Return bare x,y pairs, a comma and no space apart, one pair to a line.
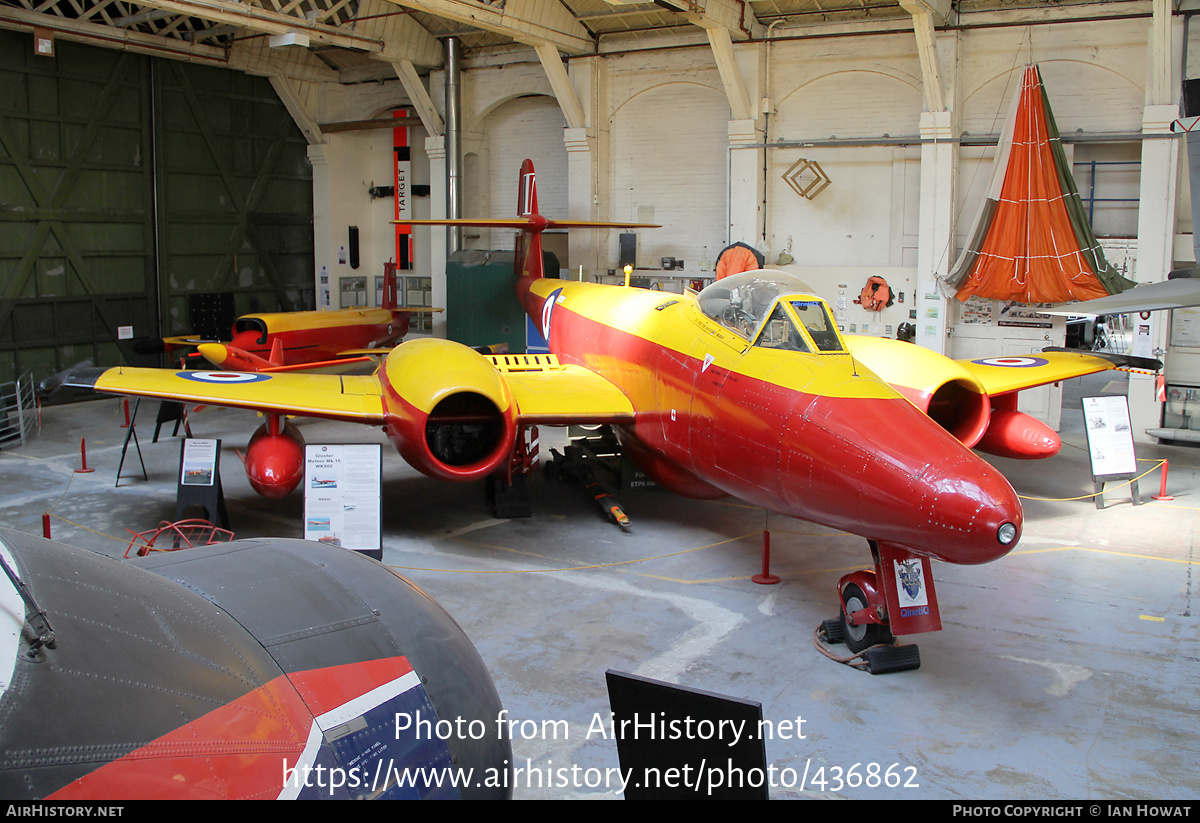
534,223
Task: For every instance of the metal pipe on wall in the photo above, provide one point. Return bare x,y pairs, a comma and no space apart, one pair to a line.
453,144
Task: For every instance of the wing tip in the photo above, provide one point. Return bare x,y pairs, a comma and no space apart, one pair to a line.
1122,360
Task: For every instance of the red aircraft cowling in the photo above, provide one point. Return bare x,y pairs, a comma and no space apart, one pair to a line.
448,412
275,459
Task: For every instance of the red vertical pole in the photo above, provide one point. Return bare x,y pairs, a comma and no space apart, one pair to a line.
1162,485
83,469
403,191
766,577
46,525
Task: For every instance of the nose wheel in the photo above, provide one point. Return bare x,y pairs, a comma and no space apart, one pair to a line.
897,596
859,635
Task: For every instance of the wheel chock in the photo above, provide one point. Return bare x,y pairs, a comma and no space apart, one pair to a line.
887,659
832,630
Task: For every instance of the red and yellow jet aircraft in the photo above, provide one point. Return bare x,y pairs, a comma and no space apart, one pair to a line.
746,389
308,340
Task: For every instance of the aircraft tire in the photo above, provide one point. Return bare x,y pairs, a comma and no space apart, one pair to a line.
862,637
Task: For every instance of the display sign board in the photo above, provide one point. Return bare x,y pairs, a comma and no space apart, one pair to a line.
200,481
1185,328
199,463
1109,436
342,496
664,731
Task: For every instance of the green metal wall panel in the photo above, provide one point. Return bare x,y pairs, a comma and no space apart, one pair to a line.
89,139
235,190
75,195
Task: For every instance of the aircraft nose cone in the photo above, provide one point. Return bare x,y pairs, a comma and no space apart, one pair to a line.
971,506
215,353
897,476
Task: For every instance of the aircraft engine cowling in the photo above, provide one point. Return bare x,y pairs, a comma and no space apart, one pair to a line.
935,384
275,462
449,412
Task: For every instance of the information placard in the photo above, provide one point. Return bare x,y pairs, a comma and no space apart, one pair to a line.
342,487
199,462
1109,436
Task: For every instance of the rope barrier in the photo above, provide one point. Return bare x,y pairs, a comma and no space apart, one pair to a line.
1094,494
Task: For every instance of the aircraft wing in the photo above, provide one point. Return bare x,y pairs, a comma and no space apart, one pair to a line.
549,392
1180,293
545,391
353,398
1001,375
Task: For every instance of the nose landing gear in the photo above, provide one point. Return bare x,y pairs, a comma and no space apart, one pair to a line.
898,597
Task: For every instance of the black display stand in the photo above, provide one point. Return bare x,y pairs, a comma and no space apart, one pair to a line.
208,497
168,411
1110,445
132,433
666,735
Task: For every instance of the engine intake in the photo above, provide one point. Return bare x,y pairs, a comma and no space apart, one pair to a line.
449,412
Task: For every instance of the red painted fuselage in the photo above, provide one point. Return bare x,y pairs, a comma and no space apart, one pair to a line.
811,434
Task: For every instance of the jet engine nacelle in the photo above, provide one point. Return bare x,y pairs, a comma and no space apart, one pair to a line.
275,460
449,412
932,382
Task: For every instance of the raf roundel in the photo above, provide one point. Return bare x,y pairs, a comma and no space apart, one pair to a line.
547,310
223,377
1012,362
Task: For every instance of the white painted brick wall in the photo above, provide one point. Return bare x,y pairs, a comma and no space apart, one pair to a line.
661,119
670,166
527,127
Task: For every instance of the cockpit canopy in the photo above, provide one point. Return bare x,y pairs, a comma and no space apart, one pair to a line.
750,304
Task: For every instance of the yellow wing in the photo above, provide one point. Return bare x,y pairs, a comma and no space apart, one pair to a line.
354,398
544,390
1000,375
548,392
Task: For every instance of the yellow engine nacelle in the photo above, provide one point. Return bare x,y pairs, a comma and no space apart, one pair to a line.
932,382
448,411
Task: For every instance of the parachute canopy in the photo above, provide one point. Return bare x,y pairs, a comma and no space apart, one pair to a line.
1032,241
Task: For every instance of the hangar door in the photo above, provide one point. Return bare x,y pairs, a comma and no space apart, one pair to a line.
132,189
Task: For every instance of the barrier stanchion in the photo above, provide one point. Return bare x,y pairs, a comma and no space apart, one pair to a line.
83,469
766,577
1162,485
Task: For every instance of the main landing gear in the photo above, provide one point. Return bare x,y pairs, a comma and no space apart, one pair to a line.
897,598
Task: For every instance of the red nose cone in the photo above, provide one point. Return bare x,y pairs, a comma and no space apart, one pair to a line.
894,475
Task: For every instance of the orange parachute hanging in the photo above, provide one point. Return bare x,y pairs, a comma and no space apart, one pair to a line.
1032,242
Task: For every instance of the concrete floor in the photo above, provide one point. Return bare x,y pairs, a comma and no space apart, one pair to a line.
1069,669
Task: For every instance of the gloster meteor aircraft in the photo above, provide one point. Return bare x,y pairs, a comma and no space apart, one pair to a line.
308,340
201,674
746,389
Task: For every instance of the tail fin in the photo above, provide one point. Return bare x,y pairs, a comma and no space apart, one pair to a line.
530,223
528,257
527,191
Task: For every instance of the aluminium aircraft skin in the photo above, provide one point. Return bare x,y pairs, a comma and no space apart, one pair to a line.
257,669
864,435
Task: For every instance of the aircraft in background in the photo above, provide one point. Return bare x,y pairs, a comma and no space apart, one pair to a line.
1180,291
332,340
746,389
199,674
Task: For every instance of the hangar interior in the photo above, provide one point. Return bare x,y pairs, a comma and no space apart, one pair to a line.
169,165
